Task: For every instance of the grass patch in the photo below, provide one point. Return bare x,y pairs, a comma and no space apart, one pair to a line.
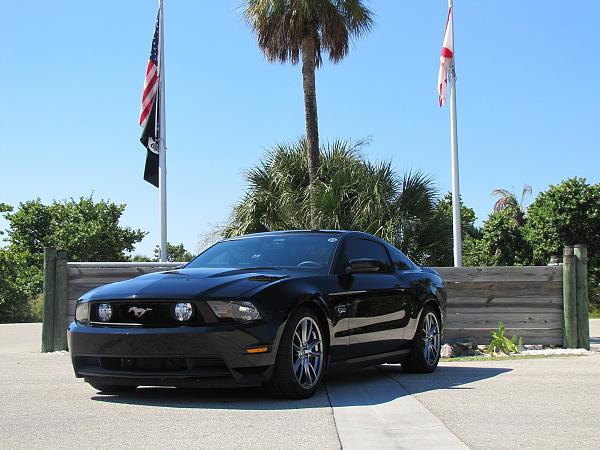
595,314
503,358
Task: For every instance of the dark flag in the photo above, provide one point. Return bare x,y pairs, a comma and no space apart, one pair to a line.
149,120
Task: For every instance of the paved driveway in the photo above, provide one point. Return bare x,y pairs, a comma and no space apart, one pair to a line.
549,403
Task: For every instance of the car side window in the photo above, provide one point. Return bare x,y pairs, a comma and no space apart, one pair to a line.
399,260
364,248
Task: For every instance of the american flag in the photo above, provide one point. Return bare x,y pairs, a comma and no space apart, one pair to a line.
151,81
149,116
446,59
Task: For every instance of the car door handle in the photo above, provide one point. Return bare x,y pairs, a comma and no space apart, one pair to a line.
400,288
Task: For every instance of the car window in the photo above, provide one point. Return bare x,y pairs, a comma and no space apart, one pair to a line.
364,248
287,250
399,260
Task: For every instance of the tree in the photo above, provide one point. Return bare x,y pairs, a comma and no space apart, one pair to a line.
508,199
350,193
87,230
504,241
565,214
176,253
20,282
288,29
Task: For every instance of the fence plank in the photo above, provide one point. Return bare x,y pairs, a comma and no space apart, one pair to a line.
554,300
505,289
500,273
510,320
493,311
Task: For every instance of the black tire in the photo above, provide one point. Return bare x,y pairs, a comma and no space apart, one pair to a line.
284,381
110,388
420,359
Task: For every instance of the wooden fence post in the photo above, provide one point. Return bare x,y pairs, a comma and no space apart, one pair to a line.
60,302
569,297
583,307
49,311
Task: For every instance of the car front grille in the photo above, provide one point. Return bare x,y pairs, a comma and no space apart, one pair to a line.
199,366
143,313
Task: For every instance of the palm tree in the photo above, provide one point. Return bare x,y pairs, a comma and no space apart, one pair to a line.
350,193
508,199
288,29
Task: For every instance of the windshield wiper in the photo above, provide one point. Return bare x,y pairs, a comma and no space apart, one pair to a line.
256,268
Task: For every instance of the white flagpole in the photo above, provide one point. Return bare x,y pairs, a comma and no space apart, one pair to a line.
162,142
456,225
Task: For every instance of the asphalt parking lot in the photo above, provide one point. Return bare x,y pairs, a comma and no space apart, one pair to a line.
534,403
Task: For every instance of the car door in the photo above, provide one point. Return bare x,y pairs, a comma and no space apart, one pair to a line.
376,303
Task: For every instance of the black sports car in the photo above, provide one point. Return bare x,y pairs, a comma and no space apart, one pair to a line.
276,308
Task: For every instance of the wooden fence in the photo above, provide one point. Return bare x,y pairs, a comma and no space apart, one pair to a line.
529,300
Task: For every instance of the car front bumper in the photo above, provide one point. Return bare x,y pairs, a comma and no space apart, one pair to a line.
209,356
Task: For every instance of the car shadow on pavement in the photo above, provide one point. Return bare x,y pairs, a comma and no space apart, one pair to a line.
445,377
382,384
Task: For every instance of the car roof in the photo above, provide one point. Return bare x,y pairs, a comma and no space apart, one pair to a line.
274,233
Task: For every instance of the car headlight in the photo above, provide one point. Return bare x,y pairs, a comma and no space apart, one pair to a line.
82,312
237,310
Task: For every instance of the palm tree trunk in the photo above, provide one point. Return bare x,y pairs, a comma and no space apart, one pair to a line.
312,123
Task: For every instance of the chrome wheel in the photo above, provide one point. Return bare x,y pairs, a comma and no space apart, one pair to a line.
431,338
307,352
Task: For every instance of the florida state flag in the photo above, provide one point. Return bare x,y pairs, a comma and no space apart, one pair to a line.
446,59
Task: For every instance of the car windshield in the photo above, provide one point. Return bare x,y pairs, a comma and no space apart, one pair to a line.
303,250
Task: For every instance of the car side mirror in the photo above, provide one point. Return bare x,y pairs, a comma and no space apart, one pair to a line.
364,265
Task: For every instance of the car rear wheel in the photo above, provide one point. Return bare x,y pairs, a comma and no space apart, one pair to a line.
425,352
301,357
110,388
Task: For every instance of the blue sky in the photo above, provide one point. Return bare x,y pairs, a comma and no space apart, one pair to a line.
72,73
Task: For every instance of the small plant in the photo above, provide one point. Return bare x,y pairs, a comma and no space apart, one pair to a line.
501,343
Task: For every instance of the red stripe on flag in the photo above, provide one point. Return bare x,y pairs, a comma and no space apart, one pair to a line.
150,66
446,52
145,113
150,85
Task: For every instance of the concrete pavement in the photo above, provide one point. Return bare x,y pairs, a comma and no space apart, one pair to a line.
20,337
537,403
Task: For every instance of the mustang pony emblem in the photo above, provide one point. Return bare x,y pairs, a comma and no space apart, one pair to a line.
139,312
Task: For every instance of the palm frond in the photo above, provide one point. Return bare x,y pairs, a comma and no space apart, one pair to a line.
281,25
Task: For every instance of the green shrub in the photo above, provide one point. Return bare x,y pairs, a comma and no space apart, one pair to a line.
501,343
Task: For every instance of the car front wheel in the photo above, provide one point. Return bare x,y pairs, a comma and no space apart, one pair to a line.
301,357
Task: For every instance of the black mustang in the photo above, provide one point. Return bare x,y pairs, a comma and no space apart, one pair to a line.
276,308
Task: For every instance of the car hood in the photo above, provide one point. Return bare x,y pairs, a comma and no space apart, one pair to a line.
189,284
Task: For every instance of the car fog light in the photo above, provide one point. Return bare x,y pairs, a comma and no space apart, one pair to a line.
183,311
104,312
